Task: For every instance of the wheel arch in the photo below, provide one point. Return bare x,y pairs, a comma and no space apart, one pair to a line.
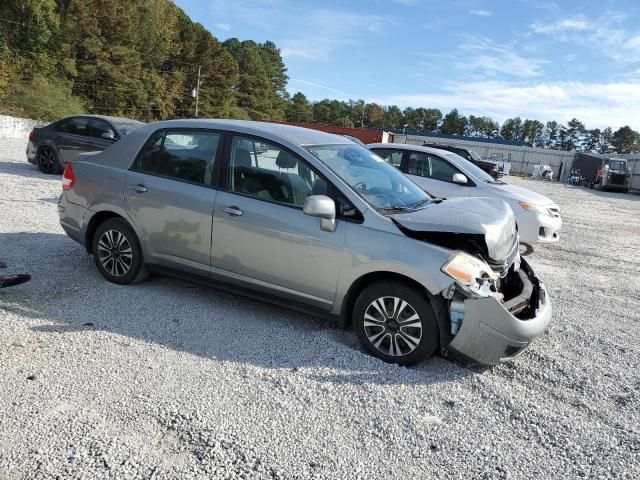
363,282
99,218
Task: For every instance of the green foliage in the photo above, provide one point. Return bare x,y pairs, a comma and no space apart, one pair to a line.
46,99
626,140
454,123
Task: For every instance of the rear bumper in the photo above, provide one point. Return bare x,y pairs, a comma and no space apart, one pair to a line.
72,219
490,334
31,152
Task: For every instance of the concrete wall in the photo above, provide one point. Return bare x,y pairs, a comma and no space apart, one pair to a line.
522,159
14,127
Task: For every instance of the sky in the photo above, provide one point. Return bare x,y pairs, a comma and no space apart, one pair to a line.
538,59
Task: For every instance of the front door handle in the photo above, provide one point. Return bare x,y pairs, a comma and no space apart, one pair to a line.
234,211
139,188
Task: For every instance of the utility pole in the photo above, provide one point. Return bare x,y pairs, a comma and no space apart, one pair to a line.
197,94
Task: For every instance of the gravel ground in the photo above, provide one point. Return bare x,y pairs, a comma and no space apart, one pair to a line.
167,379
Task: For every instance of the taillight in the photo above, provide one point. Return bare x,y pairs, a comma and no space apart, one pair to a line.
31,135
67,177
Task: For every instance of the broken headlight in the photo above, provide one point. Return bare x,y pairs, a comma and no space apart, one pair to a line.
471,274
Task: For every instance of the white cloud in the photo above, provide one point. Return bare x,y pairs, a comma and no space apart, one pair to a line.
481,13
605,34
328,30
410,3
223,26
596,104
488,57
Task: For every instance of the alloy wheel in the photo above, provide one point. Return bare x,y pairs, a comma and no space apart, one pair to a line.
115,253
392,326
47,160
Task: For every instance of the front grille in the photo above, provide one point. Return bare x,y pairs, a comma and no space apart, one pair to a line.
617,178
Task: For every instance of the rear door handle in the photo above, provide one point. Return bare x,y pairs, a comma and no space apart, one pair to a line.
139,188
234,211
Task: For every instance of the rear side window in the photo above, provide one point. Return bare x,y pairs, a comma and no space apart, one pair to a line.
74,126
185,155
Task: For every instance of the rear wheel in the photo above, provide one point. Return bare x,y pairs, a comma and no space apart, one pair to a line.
395,323
117,252
48,161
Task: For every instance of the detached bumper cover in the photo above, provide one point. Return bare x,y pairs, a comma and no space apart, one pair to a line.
490,334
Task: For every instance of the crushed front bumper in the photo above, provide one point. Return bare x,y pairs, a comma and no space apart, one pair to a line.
491,334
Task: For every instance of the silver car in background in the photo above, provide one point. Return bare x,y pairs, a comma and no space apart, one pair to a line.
314,222
447,175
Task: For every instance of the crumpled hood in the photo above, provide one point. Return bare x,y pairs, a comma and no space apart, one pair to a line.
521,194
490,217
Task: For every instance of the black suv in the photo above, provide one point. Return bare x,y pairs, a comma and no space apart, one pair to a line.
468,154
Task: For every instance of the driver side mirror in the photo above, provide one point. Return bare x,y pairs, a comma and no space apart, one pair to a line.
459,178
323,207
108,136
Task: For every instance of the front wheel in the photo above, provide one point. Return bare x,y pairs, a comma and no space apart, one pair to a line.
395,323
117,252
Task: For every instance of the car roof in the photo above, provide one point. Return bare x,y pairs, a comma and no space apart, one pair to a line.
107,118
405,146
297,135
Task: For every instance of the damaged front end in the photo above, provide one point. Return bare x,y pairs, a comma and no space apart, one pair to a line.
487,329
495,305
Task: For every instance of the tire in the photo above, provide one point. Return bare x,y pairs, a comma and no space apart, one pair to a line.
383,335
48,161
117,253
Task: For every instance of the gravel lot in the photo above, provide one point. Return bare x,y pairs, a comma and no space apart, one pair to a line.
167,379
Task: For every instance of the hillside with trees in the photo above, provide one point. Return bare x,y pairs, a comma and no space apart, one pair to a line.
143,58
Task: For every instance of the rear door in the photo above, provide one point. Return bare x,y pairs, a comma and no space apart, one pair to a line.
170,198
434,174
261,237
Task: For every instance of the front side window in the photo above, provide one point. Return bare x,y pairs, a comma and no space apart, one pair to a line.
378,183
392,157
268,172
97,127
429,166
182,155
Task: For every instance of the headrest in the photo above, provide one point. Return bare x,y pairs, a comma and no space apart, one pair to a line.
243,158
285,160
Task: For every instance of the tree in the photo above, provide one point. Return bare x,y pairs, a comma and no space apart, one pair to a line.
551,135
626,140
393,117
299,109
512,129
374,115
482,127
533,133
574,136
431,119
454,123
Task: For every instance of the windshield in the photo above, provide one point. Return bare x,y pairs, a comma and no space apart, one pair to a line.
473,170
378,183
475,155
617,165
127,128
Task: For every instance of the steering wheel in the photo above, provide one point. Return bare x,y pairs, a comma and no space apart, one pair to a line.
360,187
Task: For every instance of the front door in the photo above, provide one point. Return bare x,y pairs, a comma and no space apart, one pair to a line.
434,175
262,238
72,138
170,199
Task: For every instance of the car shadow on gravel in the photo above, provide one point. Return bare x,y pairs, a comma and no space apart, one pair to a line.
632,195
191,318
25,169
